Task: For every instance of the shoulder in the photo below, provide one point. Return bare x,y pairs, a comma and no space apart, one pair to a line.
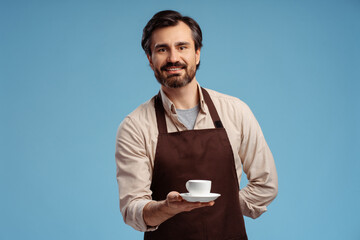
227,102
235,114
142,117
143,111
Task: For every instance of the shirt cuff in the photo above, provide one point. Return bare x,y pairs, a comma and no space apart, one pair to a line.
135,216
251,210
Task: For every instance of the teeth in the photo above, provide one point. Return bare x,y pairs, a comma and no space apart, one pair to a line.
174,69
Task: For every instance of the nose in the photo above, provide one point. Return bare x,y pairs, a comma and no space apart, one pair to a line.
173,56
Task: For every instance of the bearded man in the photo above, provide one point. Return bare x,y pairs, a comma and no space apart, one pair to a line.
189,132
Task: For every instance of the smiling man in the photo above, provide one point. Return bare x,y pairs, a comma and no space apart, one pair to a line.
188,132
174,57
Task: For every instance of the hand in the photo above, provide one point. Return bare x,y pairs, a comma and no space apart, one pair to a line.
156,212
177,204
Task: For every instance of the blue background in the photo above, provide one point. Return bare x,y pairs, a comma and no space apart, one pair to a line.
72,70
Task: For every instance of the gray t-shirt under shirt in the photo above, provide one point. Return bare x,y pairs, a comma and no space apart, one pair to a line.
188,116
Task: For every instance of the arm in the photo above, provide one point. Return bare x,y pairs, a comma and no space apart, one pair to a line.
134,174
258,164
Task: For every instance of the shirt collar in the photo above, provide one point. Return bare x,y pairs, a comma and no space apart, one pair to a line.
170,108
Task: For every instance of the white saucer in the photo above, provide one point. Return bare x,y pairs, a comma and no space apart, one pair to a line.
200,198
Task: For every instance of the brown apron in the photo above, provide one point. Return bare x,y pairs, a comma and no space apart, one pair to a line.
197,154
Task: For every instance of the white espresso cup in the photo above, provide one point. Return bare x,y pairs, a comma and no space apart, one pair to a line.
198,187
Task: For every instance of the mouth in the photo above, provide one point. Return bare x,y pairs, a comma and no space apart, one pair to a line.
173,70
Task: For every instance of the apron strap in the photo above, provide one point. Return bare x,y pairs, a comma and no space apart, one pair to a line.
214,115
160,112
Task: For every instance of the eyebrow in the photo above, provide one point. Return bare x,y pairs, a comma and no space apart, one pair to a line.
161,45
181,43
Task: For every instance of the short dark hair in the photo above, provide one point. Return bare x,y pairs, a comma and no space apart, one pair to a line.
169,18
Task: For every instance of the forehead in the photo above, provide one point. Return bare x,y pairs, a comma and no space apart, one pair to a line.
172,34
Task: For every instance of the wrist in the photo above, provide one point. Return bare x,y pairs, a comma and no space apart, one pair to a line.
156,212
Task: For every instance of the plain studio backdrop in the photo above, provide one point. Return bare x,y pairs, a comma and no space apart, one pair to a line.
71,71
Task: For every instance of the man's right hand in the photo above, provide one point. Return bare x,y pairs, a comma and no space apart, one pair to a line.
156,212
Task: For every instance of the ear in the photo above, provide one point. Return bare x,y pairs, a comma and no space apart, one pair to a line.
197,56
150,61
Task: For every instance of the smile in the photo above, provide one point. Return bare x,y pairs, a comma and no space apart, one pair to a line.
173,70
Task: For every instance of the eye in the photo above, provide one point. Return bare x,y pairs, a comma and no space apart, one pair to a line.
182,48
160,50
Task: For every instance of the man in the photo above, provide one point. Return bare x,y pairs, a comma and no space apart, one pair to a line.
187,132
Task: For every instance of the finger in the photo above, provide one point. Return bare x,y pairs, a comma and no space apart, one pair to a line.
211,203
207,204
193,205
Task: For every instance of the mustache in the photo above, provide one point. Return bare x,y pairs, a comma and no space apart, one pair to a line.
175,64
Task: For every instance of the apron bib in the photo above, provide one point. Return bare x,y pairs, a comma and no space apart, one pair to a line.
197,154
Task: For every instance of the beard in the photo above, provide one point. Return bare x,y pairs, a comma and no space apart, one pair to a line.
175,80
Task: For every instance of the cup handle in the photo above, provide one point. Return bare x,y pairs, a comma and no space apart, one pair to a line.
187,186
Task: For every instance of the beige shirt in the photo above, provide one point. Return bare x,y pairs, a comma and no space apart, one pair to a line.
136,142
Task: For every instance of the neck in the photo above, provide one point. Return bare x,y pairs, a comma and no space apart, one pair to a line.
185,97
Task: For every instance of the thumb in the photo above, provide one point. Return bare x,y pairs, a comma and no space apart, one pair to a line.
174,197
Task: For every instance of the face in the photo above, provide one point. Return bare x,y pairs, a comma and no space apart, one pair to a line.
173,57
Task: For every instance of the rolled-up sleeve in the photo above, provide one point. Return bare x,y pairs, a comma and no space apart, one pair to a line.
133,173
258,164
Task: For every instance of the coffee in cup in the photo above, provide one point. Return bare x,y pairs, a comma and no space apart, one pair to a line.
198,187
